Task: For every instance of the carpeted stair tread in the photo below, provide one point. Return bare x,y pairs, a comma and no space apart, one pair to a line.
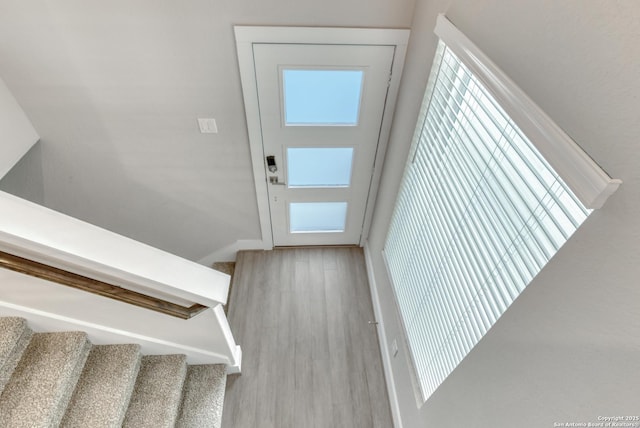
60,380
40,388
156,396
13,341
104,389
203,396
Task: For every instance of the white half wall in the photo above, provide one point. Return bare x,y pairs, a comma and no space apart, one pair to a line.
17,135
43,235
53,307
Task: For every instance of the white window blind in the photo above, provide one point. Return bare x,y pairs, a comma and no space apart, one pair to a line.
479,213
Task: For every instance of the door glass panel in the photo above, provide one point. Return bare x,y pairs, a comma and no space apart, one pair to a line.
322,97
319,167
310,217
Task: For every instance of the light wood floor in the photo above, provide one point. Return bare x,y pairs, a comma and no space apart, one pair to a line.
310,356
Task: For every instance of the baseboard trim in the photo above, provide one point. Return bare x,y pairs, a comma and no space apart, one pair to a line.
228,253
384,345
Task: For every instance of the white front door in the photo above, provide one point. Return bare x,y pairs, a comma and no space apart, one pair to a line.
321,107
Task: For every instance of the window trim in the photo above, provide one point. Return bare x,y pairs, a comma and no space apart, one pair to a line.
591,184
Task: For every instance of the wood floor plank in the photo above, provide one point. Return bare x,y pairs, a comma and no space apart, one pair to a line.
356,331
310,355
267,363
336,322
284,363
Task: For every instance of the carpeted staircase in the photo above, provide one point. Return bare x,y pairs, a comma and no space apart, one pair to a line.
61,379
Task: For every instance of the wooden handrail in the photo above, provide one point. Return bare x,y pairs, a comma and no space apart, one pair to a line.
50,273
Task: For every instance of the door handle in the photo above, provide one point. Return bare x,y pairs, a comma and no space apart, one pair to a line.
274,180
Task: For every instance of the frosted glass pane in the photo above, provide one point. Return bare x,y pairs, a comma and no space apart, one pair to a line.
322,97
317,217
319,167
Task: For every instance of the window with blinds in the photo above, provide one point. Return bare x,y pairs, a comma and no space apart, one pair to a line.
479,213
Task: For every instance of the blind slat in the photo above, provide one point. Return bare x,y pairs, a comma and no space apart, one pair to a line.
478,214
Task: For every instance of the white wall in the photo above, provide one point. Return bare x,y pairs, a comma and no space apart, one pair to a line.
17,135
115,88
107,321
568,350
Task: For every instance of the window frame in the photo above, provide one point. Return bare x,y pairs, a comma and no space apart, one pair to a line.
591,184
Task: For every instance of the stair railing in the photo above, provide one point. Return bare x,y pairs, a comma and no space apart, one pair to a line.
46,244
64,277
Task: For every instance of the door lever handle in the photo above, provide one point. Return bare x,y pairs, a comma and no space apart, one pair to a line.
274,180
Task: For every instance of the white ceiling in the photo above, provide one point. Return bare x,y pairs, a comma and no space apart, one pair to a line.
114,89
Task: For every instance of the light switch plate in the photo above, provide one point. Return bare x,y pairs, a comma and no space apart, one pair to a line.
208,126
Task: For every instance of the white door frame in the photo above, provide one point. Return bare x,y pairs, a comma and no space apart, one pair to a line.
246,36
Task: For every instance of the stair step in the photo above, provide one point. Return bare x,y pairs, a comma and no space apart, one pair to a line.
156,396
60,380
13,341
104,389
203,396
40,388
